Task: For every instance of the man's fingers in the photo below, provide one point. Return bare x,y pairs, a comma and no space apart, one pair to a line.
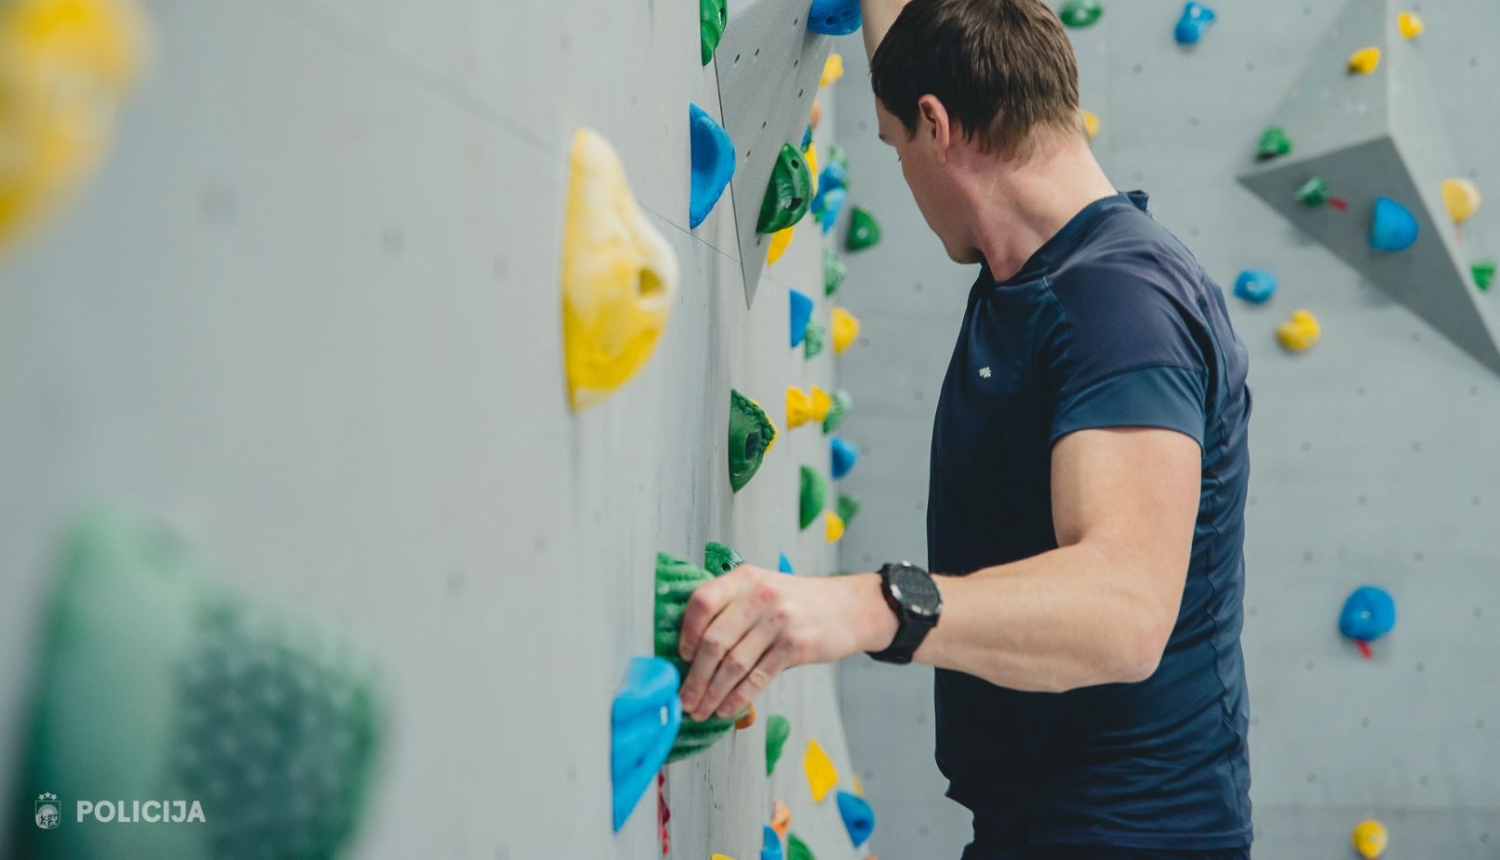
708,600
741,661
728,625
772,663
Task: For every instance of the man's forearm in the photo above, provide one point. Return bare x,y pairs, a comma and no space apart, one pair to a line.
878,16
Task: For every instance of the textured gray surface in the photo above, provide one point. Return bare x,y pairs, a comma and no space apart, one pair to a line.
1373,456
309,314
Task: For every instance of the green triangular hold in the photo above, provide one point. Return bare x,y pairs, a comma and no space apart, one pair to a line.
864,230
778,729
1080,13
676,580
1273,142
788,194
834,271
1484,273
796,849
842,402
813,495
1313,193
815,339
848,508
712,16
750,436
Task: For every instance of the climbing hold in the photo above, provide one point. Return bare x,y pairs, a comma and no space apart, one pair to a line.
781,817
1194,21
1313,193
801,312
1393,227
859,818
833,527
644,722
719,857
822,776
833,69
864,230
859,786
835,175
815,115
713,163
675,582
1484,273
845,329
816,339
1370,839
1300,332
836,155
619,276
784,564
827,205
778,729
848,507
747,720
720,559
834,271
1364,61
798,407
1255,286
770,844
821,403
751,434
1410,25
1461,198
796,849
813,493
833,17
1273,142
67,66
789,193
780,240
1080,13
1368,614
1090,123
840,403
810,155
712,16
842,456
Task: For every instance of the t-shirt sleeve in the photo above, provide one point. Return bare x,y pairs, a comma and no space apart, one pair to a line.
1122,352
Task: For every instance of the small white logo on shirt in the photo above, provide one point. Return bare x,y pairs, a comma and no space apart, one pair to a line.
984,373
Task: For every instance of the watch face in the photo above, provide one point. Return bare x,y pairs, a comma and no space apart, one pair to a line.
915,591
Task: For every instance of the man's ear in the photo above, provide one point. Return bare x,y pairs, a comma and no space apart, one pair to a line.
940,126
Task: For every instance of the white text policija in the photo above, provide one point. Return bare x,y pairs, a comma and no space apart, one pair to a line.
151,811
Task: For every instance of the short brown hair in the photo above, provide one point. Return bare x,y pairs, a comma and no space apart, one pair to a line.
1001,68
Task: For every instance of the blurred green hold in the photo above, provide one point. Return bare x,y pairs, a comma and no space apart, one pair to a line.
789,193
848,508
864,230
676,580
796,849
1080,13
815,339
1273,142
1313,193
834,271
778,729
750,436
721,559
712,16
836,155
843,401
813,494
1484,273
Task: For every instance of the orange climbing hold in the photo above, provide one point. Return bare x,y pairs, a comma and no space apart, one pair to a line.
815,115
781,817
747,720
1364,61
822,776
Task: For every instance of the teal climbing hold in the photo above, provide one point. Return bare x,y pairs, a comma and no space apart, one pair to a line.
864,230
770,844
713,163
859,818
784,564
801,312
1080,13
1392,227
644,721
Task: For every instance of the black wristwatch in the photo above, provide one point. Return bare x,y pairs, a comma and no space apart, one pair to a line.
911,594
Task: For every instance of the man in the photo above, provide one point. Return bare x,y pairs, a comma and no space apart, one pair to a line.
1088,480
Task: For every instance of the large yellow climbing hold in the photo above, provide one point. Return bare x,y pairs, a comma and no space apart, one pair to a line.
1300,332
822,776
619,276
833,526
1364,61
1461,198
833,69
1410,25
65,66
780,240
821,403
1090,123
845,329
799,408
1370,839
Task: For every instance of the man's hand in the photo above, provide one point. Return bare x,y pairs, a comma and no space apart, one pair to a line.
746,627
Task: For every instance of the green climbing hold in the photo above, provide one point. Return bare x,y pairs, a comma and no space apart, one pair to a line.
814,493
675,582
712,16
842,402
750,436
1273,142
1080,13
864,230
815,339
834,271
848,508
836,155
1313,193
1484,273
789,193
720,558
778,729
796,849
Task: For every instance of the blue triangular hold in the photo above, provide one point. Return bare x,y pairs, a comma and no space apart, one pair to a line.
842,457
1392,226
859,818
784,564
643,724
1195,19
770,846
802,308
713,163
834,17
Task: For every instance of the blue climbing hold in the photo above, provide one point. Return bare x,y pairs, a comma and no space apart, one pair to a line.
833,17
859,818
770,848
1255,286
842,456
1368,614
802,308
784,564
826,206
644,722
1393,227
835,175
713,163
807,137
1194,21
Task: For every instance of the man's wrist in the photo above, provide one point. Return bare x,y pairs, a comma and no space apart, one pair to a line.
875,623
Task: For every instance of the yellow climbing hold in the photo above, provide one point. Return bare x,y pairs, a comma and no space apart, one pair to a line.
1410,25
619,276
833,69
798,408
810,155
822,776
845,329
821,403
1364,61
781,817
833,526
65,66
779,242
1300,332
1461,198
1370,839
1090,123
859,787
719,857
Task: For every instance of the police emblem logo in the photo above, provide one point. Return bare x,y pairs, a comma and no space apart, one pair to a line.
48,811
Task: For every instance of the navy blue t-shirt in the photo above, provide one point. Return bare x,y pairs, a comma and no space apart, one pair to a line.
1112,323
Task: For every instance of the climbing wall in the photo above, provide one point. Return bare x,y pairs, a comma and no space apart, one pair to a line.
1372,459
307,316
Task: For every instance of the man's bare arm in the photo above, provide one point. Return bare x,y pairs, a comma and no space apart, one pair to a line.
878,16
